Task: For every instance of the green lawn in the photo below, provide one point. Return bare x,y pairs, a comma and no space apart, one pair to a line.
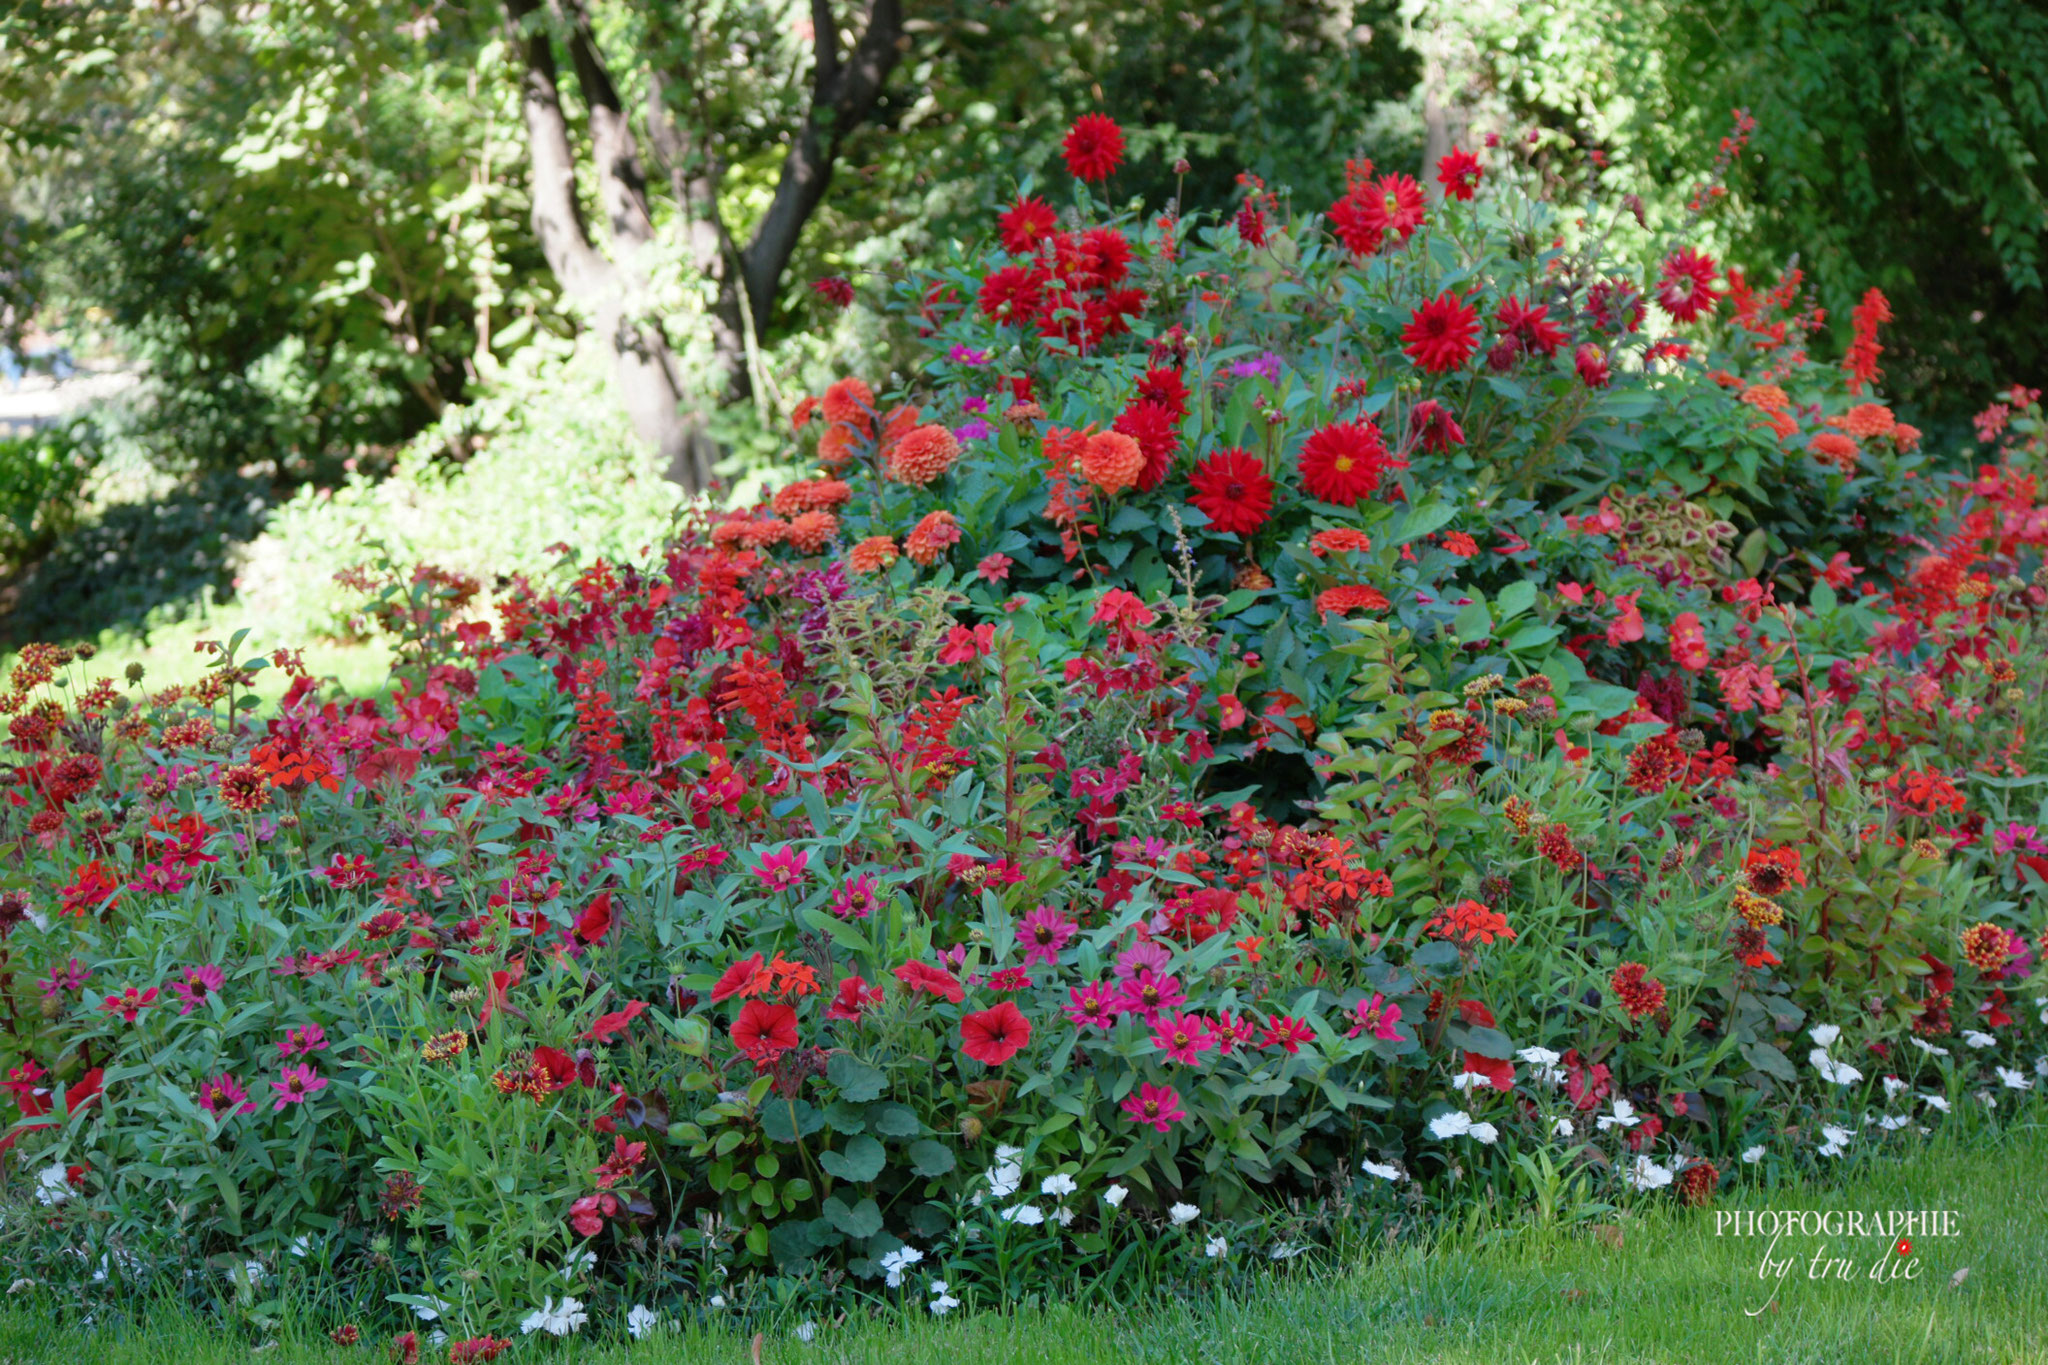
1657,1290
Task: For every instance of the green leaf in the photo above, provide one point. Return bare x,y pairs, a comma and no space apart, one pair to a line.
1516,598
1474,622
788,1120
862,1220
894,1120
857,1081
859,1163
929,1158
1770,1061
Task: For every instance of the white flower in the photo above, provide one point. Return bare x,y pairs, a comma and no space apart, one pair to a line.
1183,1214
556,1322
1891,1123
1894,1087
1467,1080
944,1303
1562,1128
1030,1215
1384,1172
2014,1080
432,1308
302,1245
53,1185
437,1337
578,1263
1837,1073
1825,1034
642,1321
1624,1116
1218,1246
1004,1178
1007,1155
1752,1155
1286,1251
894,1263
1985,1095
2041,1067
1936,1101
1456,1123
1545,1063
1837,1139
1065,1214
1980,1040
1115,1195
1057,1186
718,1300
805,1332
1646,1174
1486,1133
1929,1048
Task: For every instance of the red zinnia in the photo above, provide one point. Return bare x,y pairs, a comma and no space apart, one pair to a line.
1232,491
1025,224
764,1031
1343,462
1442,334
1458,173
993,1036
1094,147
1686,288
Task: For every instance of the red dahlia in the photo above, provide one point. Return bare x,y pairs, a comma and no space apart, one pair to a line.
1355,224
1232,491
1094,147
1105,257
1025,224
1442,334
1529,326
1431,426
1153,426
1396,203
1592,366
1686,288
1011,294
1343,462
834,289
1458,173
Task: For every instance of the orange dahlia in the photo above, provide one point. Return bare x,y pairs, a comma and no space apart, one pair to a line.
923,454
810,532
928,539
1112,461
851,402
872,554
1351,597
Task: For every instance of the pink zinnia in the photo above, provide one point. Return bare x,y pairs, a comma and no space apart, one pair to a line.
1096,1003
1043,933
1157,1105
782,869
1183,1037
200,985
1288,1033
297,1087
308,1040
855,899
1150,953
225,1095
1148,992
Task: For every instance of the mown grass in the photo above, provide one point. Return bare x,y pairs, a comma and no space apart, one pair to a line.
1657,1289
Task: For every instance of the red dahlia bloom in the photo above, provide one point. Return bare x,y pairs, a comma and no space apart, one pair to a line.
1686,288
1396,203
1105,257
1442,334
1592,366
1153,426
1529,326
764,1031
834,289
1458,173
1163,385
1011,295
993,1036
1431,426
1094,147
1355,224
1343,462
1232,491
1025,224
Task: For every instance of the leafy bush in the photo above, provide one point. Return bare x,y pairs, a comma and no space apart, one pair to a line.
1243,754
42,475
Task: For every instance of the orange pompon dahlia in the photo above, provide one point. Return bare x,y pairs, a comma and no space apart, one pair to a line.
928,540
922,455
872,554
1342,601
836,445
1767,398
850,403
1866,420
1833,448
1342,540
1112,461
811,532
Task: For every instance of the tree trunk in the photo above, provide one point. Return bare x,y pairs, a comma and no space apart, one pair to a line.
643,367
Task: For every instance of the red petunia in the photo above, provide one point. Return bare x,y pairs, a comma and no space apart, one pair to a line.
1343,462
921,978
853,997
993,1036
605,1025
1233,491
764,1032
1458,173
596,920
1685,288
1442,334
1094,147
1025,224
742,978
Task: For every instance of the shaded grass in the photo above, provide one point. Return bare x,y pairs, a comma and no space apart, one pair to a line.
1654,1289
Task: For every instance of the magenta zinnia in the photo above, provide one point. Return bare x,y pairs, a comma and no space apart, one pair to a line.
1156,1105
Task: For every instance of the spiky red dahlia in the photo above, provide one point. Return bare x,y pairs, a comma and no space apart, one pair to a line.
1232,491
1343,462
1094,147
1025,224
1685,287
1442,334
1458,173
1153,427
